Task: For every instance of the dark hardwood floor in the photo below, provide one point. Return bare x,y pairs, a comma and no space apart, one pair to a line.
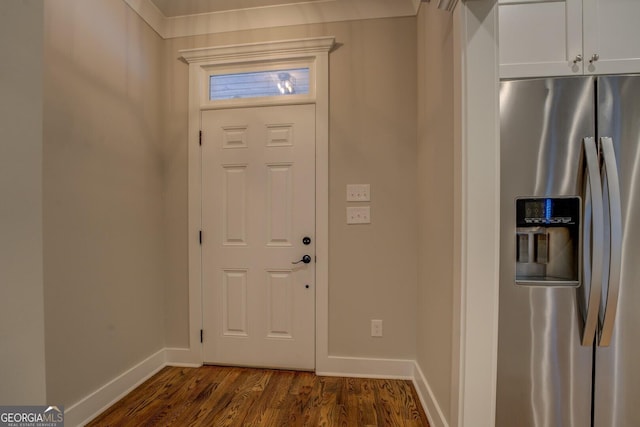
226,396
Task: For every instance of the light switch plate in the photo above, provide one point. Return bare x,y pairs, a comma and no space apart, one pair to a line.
358,192
376,328
359,215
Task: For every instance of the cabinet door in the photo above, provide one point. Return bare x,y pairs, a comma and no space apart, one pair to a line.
611,31
540,37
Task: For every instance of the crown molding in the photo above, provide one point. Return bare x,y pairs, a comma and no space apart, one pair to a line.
269,17
286,48
150,14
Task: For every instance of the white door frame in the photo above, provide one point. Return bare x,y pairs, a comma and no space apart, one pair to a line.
477,210
314,51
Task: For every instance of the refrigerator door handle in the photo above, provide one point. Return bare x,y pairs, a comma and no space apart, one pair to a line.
592,259
610,304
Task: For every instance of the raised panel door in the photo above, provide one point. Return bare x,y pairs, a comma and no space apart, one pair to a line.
258,183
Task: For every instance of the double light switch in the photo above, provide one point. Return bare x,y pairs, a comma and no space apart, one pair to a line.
358,214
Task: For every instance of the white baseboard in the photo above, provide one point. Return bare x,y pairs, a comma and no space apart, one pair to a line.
338,366
88,408
182,357
427,399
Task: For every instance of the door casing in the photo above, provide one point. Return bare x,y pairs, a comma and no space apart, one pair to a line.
315,52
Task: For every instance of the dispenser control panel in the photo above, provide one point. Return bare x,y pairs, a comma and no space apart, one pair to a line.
548,241
548,211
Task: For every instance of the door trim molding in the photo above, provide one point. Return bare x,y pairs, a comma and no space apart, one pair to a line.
317,51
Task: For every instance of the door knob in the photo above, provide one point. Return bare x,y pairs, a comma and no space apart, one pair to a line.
306,259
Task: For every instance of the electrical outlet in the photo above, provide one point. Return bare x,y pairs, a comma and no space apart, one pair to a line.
358,192
376,328
358,215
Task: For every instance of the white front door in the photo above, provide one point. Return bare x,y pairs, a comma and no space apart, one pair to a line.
258,193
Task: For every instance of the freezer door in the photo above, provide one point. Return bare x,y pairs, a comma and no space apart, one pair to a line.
544,374
617,375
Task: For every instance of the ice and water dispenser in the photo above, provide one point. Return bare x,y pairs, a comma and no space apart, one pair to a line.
548,241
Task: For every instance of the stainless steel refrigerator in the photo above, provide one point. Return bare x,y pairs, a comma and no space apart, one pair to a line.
569,321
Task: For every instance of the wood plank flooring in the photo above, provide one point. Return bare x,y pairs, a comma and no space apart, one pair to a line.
228,396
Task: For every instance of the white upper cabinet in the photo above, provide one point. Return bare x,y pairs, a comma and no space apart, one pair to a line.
568,37
540,38
612,33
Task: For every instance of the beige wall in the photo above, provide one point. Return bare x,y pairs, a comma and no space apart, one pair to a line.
372,140
103,204
22,345
436,201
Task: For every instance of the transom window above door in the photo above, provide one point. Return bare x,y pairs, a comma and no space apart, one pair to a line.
258,83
